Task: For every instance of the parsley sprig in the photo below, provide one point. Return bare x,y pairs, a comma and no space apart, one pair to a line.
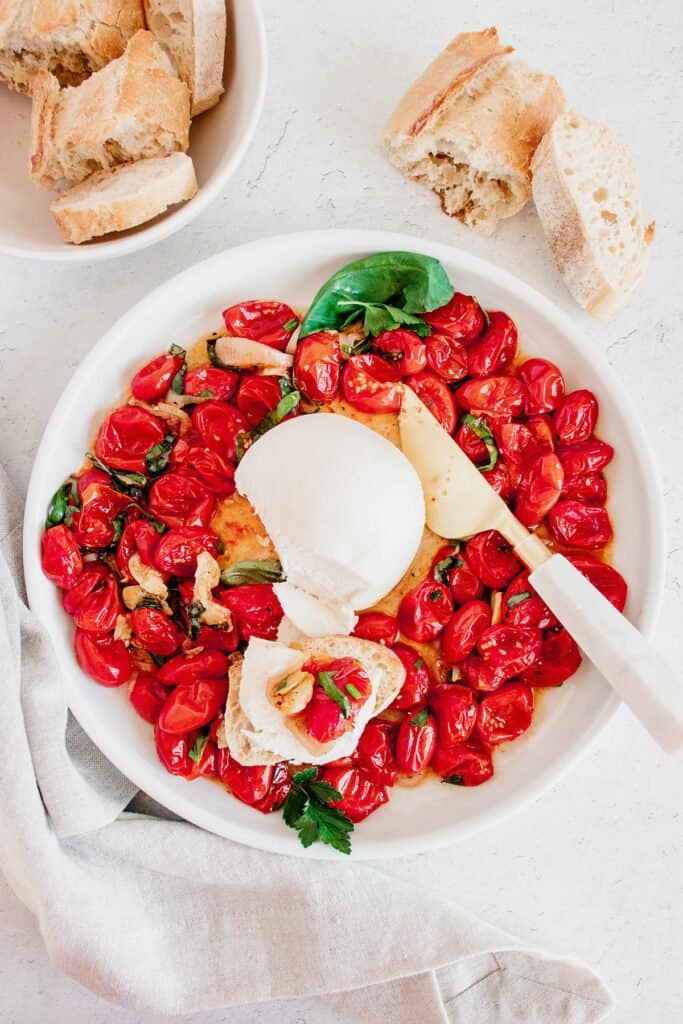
307,810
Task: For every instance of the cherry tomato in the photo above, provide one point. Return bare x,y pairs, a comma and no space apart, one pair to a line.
280,785
155,631
93,575
464,629
192,705
416,741
466,764
447,357
461,318
523,607
250,784
376,752
542,430
417,681
211,382
472,445
504,479
575,417
604,577
492,559
360,796
505,714
580,526
94,525
481,675
60,556
174,752
456,713
176,552
516,442
126,436
153,381
217,638
496,348
545,386
186,668
465,586
219,425
324,718
585,456
138,538
178,500
437,396
103,658
317,366
207,765
377,626
559,659
91,476
208,467
271,323
405,350
424,611
98,610
371,384
539,489
589,489
257,396
254,608
147,696
510,649
497,396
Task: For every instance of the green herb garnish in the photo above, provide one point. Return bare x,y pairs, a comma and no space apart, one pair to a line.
434,595
197,749
127,481
194,610
63,504
291,325
519,598
479,426
420,719
359,348
328,684
281,685
418,663
269,570
353,691
178,382
158,457
454,780
284,407
307,810
444,566
214,358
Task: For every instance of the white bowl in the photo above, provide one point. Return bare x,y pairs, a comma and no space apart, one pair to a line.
291,268
218,141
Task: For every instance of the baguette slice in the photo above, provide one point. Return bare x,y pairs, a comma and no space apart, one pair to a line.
193,34
586,192
135,107
468,128
123,197
69,39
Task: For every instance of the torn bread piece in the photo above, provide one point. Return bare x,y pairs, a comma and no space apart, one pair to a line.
136,107
124,197
586,191
469,126
69,39
193,34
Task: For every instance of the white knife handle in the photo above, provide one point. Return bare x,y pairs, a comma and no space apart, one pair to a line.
621,654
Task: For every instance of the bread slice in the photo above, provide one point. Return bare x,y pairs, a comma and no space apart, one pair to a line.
123,197
193,34
469,126
135,107
69,39
586,192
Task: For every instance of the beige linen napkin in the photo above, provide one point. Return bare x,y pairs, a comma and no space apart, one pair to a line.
153,913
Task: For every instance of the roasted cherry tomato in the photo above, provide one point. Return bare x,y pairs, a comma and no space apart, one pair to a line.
257,396
91,476
465,764
456,713
138,538
496,348
416,741
207,765
516,442
417,682
179,500
580,526
211,382
174,752
495,396
589,489
447,357
542,430
523,607
405,350
254,608
510,649
575,417
192,705
94,524
176,553
604,577
324,718
317,366
460,636
465,585
271,323
217,638
505,714
155,631
472,445
504,479
558,660
375,752
371,384
208,467
98,610
437,397
424,611
544,386
539,489
103,658
250,784
585,456
153,381
126,436
462,318
60,556
360,796
219,426
492,559
147,695
93,575
186,668
481,675
377,626
280,785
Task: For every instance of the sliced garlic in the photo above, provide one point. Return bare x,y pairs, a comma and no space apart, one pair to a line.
208,576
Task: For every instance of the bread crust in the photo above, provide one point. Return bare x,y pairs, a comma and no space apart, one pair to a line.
193,33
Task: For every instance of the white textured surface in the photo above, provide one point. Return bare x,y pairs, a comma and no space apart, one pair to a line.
595,867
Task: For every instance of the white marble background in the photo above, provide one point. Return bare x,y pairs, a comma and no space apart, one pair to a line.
595,867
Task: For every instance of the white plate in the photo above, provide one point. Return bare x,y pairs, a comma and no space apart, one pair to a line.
291,268
218,141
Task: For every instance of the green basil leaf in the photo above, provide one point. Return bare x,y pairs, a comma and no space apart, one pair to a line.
194,625
61,509
127,481
420,719
327,683
480,427
359,348
434,595
158,457
444,566
197,749
284,407
516,599
176,350
148,602
268,570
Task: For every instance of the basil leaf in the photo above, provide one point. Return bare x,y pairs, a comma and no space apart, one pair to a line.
444,566
127,481
177,350
194,610
158,457
454,780
480,427
420,719
61,508
197,749
434,595
148,602
269,570
291,325
284,407
516,599
384,289
327,683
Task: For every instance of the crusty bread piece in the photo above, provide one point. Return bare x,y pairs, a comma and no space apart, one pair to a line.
239,731
128,195
135,107
193,34
469,126
586,192
69,39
